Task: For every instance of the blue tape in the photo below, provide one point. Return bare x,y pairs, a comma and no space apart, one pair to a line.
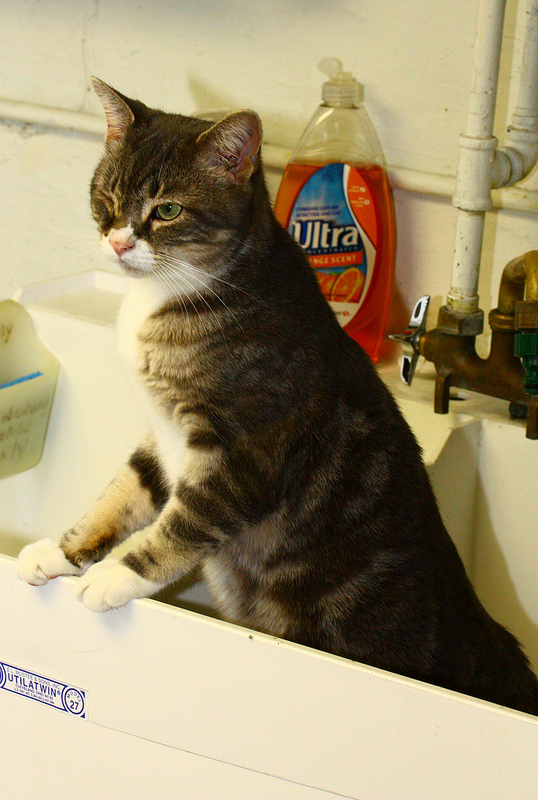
21,380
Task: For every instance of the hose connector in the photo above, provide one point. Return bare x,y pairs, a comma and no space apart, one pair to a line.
526,342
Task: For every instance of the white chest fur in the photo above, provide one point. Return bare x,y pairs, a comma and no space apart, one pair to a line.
145,296
171,442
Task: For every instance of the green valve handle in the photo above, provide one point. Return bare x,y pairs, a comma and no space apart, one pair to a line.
526,347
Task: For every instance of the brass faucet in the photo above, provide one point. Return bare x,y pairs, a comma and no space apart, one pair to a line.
451,345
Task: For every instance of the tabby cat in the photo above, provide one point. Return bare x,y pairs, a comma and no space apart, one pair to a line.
276,456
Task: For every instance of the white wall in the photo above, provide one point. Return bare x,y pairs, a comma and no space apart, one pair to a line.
414,58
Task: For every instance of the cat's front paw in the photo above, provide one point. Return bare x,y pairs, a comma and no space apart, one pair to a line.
41,561
111,584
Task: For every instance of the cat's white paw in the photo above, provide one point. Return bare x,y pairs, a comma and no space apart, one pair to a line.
41,561
110,584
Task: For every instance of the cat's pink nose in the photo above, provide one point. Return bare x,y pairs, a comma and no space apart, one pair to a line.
120,243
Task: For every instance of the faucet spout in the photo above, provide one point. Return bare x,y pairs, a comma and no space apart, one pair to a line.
519,274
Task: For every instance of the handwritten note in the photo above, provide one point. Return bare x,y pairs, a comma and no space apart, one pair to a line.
18,424
28,373
6,330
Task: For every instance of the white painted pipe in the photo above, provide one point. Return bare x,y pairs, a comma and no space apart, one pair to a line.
481,165
487,53
477,150
518,155
33,114
275,157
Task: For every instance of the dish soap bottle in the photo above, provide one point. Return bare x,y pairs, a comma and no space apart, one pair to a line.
335,200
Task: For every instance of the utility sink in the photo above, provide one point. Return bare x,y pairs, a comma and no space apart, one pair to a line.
231,712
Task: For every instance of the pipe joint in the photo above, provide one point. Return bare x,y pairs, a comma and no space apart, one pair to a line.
473,184
508,167
516,158
472,143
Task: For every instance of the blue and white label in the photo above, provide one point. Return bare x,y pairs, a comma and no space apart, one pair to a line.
335,220
62,696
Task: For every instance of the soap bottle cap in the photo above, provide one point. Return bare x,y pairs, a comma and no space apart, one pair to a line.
341,89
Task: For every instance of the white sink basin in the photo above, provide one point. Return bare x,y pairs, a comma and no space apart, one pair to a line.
481,465
437,743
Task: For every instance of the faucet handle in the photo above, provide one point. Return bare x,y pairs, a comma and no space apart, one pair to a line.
410,337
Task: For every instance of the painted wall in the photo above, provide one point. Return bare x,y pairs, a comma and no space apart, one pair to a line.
415,59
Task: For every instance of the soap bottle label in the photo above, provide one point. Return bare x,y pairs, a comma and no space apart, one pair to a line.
335,220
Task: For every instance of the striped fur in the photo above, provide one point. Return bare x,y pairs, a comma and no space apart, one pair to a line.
277,458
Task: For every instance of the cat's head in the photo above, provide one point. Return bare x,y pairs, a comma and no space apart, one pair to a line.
172,193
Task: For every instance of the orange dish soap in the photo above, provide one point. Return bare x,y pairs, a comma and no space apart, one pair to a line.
335,200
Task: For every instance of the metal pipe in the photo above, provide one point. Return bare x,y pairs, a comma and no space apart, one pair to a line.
477,148
487,54
519,278
481,164
511,369
515,159
274,156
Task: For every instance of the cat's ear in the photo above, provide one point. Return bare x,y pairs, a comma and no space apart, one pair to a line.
119,116
232,146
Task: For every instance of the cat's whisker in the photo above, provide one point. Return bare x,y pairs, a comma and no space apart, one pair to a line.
178,291
84,254
59,233
82,246
183,266
174,261
176,296
169,278
210,309
195,290
161,168
77,238
226,306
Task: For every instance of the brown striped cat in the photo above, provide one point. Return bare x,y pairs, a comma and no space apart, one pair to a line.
276,456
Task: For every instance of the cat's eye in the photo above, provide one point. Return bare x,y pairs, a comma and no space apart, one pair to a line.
167,211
